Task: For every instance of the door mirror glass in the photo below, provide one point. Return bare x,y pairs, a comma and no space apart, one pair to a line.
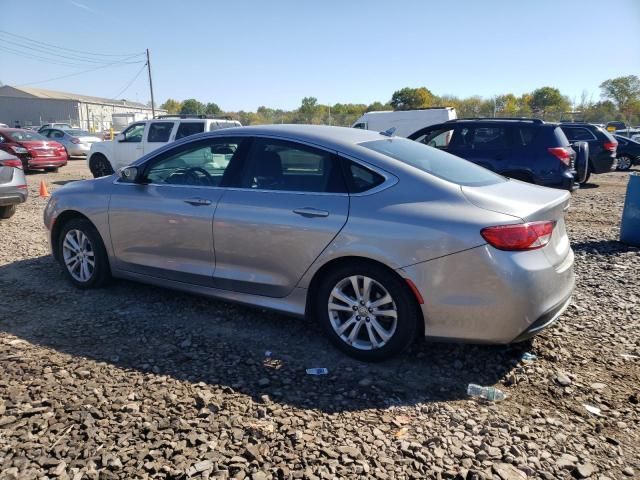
120,137
128,174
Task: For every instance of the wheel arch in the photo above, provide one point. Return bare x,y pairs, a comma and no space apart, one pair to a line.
61,221
354,259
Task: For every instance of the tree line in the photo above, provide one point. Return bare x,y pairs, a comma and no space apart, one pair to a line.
619,100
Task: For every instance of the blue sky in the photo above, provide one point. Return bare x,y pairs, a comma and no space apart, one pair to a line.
243,54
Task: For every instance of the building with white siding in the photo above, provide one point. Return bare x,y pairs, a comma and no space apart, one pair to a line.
25,106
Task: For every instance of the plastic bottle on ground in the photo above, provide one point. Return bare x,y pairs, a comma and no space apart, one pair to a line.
487,393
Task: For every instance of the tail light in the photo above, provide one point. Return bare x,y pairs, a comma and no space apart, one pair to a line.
11,163
562,154
521,236
75,140
611,146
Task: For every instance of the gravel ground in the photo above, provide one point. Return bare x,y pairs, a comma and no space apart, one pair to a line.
134,381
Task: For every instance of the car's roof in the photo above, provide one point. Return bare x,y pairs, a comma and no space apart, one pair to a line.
319,134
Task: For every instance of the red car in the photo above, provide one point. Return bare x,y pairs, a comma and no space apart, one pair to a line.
36,151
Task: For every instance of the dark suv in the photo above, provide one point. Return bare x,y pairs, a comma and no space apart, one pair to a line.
525,149
602,145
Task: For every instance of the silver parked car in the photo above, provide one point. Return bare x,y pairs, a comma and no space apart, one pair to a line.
13,185
379,238
76,142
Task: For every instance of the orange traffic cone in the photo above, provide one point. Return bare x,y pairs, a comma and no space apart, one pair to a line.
43,189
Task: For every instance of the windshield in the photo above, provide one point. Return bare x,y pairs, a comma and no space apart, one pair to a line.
435,162
78,133
25,135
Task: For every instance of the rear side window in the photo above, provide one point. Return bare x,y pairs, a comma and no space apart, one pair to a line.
435,162
189,128
288,166
525,135
487,138
575,134
360,179
159,132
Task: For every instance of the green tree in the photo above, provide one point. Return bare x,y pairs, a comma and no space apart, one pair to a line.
411,98
624,92
212,109
192,106
378,106
171,106
546,100
308,109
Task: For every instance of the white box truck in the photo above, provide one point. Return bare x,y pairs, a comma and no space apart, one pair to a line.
405,122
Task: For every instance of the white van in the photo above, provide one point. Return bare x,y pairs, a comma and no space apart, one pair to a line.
405,122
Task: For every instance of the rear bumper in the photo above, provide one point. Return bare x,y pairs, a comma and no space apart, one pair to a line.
78,151
485,295
603,163
12,198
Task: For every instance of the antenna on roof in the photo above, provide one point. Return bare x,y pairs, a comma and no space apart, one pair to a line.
388,133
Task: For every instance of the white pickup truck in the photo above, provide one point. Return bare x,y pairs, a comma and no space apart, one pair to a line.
143,137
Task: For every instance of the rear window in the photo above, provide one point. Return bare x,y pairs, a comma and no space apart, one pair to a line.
25,135
435,162
78,133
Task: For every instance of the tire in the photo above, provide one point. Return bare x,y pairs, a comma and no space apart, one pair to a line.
402,330
100,166
97,276
51,169
582,161
7,211
624,163
586,177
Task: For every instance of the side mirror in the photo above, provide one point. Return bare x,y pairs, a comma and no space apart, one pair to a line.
128,174
120,137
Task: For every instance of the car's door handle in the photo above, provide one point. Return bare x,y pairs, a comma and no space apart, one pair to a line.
198,201
311,212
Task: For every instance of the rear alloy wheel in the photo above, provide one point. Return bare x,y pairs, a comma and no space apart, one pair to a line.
100,166
624,163
7,211
367,312
82,254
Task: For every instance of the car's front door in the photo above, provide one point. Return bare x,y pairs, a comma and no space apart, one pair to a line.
128,148
161,226
288,205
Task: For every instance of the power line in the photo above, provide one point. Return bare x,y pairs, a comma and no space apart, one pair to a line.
70,75
53,61
56,47
40,51
126,87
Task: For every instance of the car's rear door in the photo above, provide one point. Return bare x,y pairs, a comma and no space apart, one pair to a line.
288,204
162,227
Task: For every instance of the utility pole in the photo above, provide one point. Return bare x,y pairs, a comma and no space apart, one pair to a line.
153,105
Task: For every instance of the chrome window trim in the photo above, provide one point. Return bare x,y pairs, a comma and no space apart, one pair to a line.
389,179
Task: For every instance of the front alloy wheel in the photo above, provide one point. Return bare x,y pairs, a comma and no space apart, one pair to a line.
81,252
367,311
78,255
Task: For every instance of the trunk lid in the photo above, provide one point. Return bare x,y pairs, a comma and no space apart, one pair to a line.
89,139
530,203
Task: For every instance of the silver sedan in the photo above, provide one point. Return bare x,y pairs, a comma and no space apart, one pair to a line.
378,238
76,142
